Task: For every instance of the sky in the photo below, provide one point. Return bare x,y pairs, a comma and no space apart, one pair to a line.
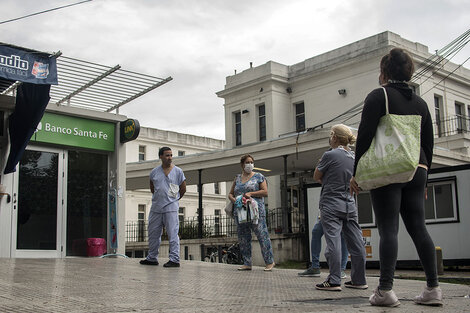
201,42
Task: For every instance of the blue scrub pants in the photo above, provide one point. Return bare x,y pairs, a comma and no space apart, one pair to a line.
155,229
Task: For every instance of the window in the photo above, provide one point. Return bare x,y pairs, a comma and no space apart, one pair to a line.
181,153
438,115
141,153
460,117
238,129
141,222
216,189
262,122
365,210
441,203
217,222
181,214
299,117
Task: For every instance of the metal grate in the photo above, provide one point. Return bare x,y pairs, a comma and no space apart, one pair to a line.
94,86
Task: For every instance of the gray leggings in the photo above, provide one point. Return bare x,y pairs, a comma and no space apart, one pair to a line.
408,200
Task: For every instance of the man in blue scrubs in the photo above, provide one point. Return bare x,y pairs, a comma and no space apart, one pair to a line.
168,185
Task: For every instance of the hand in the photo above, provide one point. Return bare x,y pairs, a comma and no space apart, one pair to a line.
248,195
353,186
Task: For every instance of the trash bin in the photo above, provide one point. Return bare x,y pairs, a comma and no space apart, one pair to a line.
96,246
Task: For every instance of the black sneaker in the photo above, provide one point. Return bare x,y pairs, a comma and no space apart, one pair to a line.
147,262
171,264
327,286
349,284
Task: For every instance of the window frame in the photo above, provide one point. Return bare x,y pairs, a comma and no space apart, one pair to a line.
261,122
455,200
142,153
237,124
373,224
299,115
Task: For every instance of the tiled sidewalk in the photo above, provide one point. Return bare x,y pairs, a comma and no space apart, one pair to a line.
123,285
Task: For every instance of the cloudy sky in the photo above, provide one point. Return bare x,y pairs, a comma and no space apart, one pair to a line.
200,42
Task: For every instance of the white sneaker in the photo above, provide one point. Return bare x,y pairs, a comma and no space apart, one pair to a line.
430,296
384,298
343,275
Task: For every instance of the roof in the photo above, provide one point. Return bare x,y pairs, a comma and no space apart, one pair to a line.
93,86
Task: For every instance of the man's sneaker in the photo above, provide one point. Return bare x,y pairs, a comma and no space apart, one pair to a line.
310,272
343,275
384,298
147,262
171,264
327,286
430,296
349,284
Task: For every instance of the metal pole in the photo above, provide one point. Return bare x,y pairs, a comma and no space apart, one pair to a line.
284,198
199,210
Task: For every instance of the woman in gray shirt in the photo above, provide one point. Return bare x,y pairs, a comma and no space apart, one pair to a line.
339,212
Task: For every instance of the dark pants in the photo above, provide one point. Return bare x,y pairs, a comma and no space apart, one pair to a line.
406,200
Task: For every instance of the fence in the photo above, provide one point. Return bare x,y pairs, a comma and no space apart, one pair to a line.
221,226
453,125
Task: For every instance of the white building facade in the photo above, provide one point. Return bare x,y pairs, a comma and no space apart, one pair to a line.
274,100
145,148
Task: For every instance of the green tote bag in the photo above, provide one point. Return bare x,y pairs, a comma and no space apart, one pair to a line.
393,155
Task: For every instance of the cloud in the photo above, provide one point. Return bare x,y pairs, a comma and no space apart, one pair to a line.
200,42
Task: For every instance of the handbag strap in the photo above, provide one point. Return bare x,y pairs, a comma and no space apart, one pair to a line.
386,101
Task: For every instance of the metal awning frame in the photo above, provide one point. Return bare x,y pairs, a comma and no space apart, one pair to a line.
93,86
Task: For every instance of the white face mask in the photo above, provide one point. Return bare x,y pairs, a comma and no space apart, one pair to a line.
249,167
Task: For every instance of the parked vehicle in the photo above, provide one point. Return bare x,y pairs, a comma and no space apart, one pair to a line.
232,255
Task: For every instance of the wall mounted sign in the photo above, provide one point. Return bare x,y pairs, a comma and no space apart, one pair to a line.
75,132
130,130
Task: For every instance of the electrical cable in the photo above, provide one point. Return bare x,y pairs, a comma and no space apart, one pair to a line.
64,6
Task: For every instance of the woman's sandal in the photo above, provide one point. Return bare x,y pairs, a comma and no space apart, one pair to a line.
244,268
269,267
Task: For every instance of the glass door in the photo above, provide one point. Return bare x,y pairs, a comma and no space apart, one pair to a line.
38,204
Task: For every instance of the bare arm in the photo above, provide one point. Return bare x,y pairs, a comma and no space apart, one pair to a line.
262,192
231,195
182,189
317,175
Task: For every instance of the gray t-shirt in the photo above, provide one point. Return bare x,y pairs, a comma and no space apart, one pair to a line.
337,167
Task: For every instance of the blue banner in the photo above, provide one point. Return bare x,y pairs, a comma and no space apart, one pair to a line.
27,66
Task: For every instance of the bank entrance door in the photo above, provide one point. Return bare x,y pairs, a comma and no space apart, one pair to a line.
38,208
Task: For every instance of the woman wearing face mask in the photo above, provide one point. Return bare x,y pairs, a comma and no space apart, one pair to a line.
252,185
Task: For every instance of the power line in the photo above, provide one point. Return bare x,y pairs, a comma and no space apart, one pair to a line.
64,6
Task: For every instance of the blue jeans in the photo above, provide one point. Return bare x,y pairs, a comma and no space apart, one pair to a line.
315,247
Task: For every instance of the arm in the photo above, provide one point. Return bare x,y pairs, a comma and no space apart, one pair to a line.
182,189
317,175
152,188
262,192
231,194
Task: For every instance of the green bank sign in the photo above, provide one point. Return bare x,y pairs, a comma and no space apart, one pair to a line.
75,131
